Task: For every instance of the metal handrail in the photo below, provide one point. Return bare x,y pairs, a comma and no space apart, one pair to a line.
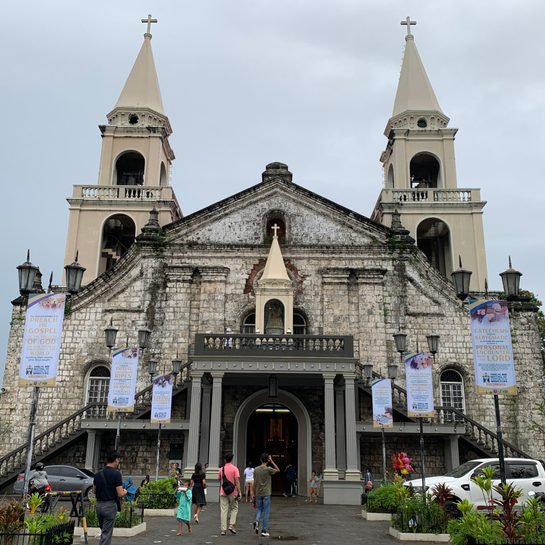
475,431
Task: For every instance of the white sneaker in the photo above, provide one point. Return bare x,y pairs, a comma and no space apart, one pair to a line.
265,534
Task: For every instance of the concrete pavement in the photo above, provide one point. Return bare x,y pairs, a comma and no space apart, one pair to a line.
291,520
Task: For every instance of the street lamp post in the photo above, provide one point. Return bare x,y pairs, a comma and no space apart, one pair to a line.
152,370
392,375
27,275
110,334
400,340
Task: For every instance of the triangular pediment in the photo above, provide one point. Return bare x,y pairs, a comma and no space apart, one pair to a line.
311,220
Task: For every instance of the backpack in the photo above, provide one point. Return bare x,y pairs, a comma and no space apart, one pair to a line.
226,484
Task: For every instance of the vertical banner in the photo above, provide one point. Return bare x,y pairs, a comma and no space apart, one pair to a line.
161,401
419,378
123,380
492,348
383,415
42,340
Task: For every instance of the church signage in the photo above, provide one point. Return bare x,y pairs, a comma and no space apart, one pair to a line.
382,404
123,380
161,402
42,340
418,373
492,348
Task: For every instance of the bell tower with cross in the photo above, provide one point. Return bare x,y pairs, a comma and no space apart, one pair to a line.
420,176
274,294
134,173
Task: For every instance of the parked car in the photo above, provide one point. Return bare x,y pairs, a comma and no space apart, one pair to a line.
63,479
526,474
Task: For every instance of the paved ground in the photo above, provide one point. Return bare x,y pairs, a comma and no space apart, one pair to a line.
292,520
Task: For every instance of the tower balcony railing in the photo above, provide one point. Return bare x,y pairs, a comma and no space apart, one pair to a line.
229,345
123,192
431,195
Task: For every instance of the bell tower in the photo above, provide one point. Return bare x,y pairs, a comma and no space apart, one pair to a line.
420,176
134,173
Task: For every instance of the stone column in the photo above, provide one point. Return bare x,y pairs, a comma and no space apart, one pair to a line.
194,425
335,300
215,426
340,436
212,298
352,461
452,455
205,421
90,450
331,472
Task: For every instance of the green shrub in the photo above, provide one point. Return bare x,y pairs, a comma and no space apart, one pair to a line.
158,494
10,517
382,500
128,517
475,527
419,515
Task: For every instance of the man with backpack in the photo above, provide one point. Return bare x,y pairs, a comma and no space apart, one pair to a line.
229,477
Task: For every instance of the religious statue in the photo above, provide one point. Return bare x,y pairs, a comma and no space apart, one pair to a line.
275,318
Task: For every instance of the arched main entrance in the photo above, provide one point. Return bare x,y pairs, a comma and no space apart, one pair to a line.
272,428
297,419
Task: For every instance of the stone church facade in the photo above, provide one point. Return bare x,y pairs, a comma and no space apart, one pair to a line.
273,298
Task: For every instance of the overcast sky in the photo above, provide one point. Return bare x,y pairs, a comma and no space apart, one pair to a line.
310,83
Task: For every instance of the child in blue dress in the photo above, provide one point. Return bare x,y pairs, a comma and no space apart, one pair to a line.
183,514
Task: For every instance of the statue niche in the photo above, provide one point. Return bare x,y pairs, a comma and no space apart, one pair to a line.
274,317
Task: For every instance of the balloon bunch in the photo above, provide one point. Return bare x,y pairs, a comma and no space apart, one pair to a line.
402,463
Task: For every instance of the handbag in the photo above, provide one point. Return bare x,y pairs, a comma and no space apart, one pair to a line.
226,484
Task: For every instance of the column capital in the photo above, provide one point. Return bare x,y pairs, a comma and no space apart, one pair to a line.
329,376
217,375
213,274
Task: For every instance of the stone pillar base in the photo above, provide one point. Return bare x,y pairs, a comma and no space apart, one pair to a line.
352,475
341,492
331,475
212,487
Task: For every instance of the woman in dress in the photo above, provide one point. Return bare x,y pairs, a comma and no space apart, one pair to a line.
198,486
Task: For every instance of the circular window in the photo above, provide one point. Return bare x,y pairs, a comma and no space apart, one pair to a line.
422,123
133,119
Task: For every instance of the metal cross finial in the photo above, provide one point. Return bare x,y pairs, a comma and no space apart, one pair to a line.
149,21
408,23
275,228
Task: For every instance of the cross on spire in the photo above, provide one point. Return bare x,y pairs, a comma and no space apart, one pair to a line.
408,23
275,228
149,21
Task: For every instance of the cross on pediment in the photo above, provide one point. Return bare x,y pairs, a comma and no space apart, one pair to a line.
149,22
408,23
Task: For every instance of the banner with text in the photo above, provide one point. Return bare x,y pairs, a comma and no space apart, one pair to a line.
492,348
123,380
42,340
383,416
161,401
419,378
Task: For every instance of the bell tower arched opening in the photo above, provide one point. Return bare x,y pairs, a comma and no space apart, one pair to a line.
129,169
118,234
273,428
424,171
433,238
390,177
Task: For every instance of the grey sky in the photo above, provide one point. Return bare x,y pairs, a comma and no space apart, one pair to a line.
245,82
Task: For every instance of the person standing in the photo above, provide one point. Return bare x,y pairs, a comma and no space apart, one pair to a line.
263,488
108,488
183,513
229,477
198,486
291,481
249,483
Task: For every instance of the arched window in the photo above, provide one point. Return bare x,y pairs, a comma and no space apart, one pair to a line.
433,238
299,324
274,317
98,384
452,393
129,169
248,325
163,181
390,178
118,234
424,171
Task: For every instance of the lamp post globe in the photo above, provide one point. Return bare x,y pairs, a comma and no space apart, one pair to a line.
152,368
461,279
110,334
144,335
27,274
400,340
176,366
367,371
392,371
433,343
74,276
511,281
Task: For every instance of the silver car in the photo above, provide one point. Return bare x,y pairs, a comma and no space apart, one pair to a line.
63,479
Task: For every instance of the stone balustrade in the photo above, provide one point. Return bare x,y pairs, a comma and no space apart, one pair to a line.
431,195
122,192
288,346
